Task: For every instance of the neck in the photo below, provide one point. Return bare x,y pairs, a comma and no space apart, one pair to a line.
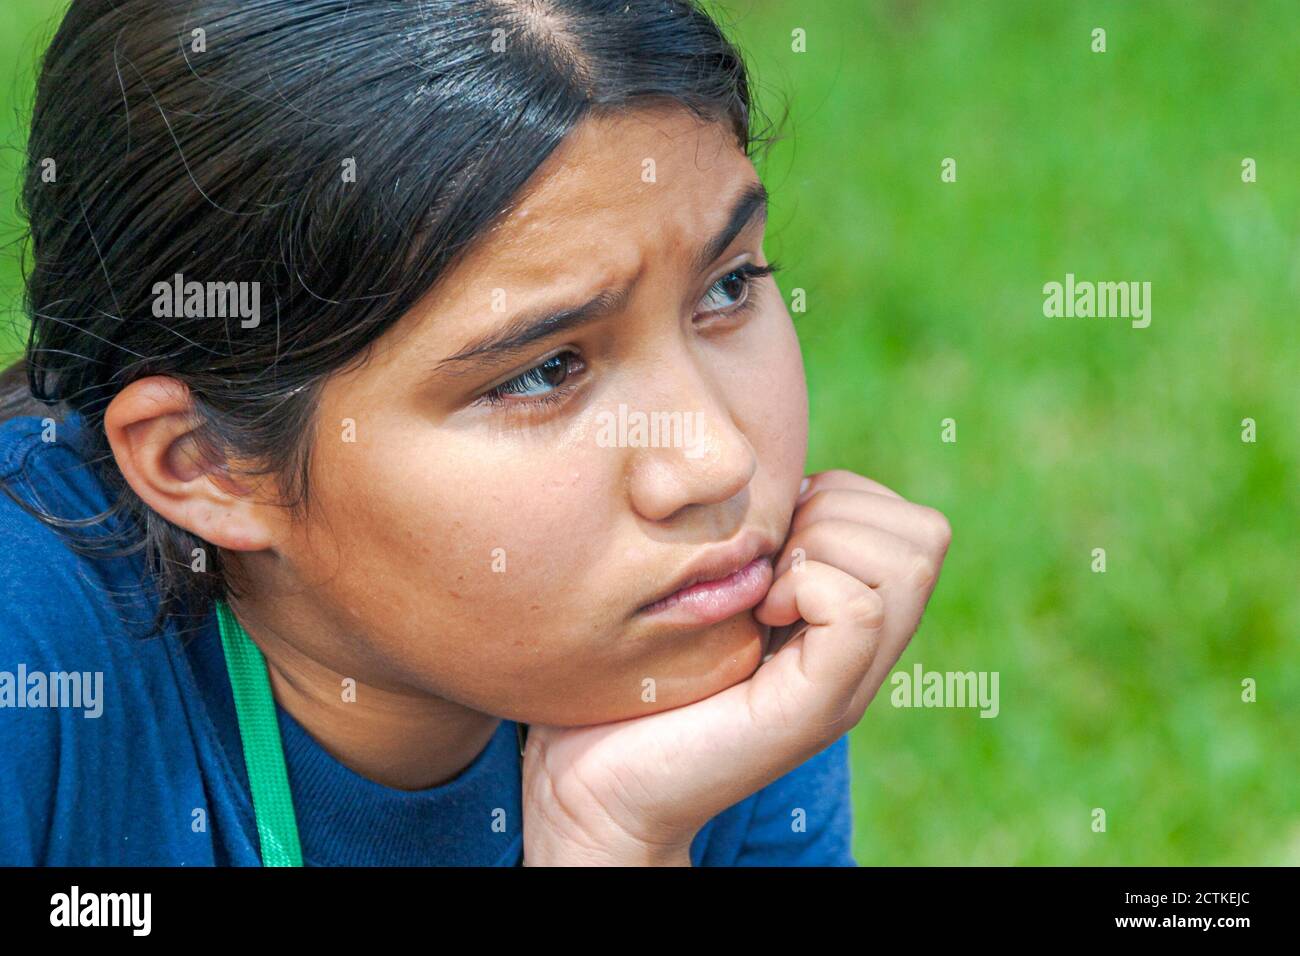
393,736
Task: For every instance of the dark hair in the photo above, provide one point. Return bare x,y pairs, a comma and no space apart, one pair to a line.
208,139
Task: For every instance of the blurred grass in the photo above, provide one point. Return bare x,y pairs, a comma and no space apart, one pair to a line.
1118,690
26,27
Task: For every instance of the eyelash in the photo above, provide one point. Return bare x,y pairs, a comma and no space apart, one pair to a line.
500,394
750,273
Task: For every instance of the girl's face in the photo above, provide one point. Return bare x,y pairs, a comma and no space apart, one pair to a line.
488,523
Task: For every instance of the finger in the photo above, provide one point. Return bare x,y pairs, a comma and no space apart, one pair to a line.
742,738
814,678
903,574
789,710
926,526
873,555
843,479
888,634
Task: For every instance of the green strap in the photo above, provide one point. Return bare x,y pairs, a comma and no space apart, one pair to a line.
277,828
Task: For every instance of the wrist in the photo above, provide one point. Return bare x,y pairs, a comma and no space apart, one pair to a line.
555,834
642,856
559,848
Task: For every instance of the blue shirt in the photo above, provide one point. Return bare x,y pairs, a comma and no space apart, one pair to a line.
122,750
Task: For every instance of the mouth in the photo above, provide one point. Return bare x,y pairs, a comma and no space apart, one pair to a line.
720,583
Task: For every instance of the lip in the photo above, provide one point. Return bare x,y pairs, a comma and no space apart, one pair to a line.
720,582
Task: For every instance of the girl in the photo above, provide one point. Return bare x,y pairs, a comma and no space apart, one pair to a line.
349,445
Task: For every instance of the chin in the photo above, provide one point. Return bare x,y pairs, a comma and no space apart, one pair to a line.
715,659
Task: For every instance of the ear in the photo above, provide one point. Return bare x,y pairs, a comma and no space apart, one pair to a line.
149,426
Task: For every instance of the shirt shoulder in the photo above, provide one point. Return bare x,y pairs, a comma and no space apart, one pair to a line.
45,585
76,678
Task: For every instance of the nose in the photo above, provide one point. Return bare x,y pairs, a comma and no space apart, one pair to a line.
700,457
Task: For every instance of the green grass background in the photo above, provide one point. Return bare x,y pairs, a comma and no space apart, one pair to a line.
1121,690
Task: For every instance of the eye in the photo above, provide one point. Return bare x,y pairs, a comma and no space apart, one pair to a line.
731,292
541,383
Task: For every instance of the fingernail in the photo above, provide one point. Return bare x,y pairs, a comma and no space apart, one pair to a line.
803,485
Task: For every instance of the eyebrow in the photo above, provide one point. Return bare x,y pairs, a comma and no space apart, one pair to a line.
535,325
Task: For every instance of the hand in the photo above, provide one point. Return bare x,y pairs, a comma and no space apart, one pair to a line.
855,573
858,550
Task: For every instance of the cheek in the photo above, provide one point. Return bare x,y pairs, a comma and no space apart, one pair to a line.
480,536
779,409
472,571
467,521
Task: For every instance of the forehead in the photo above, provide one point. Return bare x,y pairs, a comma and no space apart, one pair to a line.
620,191
622,195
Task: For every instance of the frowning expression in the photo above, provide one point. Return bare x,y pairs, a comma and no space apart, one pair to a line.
604,401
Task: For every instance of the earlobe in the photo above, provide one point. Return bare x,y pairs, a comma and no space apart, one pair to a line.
149,426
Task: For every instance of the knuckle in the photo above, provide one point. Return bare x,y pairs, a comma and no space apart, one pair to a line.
814,507
924,571
817,500
938,527
866,610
